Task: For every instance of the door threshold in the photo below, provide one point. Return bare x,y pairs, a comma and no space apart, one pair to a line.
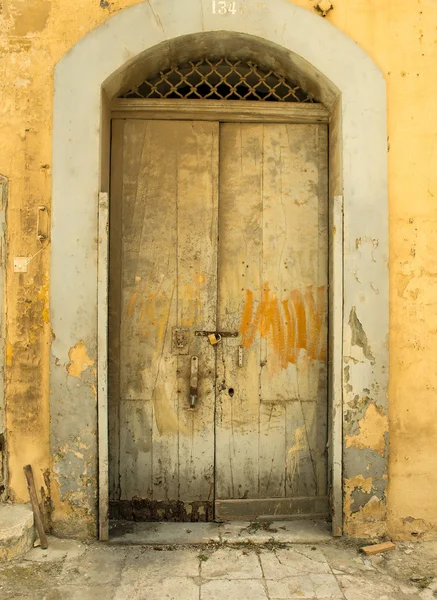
297,531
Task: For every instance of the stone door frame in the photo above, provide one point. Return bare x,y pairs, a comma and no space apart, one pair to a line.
352,88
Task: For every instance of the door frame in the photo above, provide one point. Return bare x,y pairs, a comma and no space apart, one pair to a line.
139,41
225,112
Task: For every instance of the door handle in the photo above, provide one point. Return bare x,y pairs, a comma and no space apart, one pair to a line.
194,380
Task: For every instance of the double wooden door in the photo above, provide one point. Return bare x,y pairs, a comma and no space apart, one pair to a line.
218,320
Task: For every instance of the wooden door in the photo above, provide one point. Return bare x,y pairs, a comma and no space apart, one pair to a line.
163,269
271,415
217,227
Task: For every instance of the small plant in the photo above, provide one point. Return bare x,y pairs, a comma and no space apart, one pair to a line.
267,526
253,527
203,557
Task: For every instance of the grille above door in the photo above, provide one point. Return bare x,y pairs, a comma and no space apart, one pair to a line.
222,79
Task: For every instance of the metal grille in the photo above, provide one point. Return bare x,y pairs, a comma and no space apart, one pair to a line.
220,80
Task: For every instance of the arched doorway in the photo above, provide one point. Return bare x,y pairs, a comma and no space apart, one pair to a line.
139,42
218,301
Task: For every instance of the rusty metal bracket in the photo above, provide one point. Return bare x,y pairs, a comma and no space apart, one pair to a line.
180,340
240,356
194,380
42,223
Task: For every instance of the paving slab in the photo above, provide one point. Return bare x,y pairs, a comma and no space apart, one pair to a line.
228,563
372,587
58,549
239,589
305,586
149,563
99,565
24,579
169,588
294,561
349,561
334,570
80,592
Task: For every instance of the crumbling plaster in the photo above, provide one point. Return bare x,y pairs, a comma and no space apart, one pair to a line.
400,37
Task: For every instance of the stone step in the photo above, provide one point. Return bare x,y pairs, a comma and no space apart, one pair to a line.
16,530
235,532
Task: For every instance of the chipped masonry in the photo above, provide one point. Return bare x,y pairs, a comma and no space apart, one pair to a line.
365,437
359,337
79,360
73,472
373,427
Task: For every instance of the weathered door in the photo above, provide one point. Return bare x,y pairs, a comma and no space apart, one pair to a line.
163,257
218,228
271,415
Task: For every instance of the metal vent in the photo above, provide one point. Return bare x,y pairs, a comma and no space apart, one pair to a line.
220,80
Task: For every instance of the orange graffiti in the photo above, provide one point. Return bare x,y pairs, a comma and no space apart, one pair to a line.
132,303
247,315
298,326
149,313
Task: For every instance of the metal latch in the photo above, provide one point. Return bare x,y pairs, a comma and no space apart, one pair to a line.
218,334
194,380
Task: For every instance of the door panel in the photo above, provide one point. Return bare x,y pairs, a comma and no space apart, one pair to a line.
272,280
240,256
165,194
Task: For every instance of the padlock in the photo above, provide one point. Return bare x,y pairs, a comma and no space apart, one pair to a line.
214,338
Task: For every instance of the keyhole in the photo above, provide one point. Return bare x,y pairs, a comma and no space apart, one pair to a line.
231,392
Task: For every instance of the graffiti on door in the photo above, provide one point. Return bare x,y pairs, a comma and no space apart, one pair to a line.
290,325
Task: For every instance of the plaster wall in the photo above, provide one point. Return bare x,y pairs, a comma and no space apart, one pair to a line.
401,38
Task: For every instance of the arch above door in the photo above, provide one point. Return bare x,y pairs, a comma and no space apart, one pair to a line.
139,41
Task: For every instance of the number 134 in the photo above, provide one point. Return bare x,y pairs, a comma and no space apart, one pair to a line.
221,8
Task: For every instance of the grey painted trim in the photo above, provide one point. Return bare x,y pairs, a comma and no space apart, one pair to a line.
100,59
102,365
336,363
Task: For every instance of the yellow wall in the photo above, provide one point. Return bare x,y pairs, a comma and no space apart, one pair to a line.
401,37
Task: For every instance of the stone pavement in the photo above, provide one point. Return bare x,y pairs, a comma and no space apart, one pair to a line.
72,570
